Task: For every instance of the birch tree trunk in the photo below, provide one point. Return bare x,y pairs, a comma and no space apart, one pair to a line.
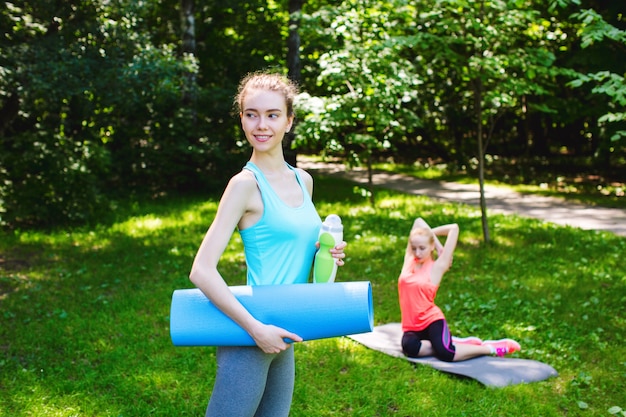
188,30
293,66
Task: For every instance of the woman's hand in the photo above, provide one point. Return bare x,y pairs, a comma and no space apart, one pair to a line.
338,254
271,339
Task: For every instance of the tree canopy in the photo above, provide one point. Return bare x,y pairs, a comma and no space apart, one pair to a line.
100,99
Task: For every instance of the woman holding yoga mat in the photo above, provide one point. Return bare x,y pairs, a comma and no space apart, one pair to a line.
270,203
424,326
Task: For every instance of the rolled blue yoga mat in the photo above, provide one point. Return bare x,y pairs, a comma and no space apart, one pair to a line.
312,311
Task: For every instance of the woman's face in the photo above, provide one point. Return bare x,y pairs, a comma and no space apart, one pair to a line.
421,248
264,118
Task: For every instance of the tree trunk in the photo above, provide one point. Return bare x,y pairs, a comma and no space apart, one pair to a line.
478,108
481,159
293,67
188,29
370,180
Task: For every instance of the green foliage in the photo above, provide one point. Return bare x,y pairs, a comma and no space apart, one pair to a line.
93,91
48,179
594,30
452,66
480,68
94,106
102,93
365,84
85,315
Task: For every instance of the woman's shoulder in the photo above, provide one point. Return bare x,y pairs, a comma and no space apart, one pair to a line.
243,180
303,173
306,177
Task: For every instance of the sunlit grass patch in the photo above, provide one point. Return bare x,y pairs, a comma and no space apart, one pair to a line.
85,312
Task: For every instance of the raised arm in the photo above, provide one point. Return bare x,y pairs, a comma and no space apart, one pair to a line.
444,260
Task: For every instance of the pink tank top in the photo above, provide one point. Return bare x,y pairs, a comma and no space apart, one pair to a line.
417,299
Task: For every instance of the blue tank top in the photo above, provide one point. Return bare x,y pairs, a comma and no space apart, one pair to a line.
280,247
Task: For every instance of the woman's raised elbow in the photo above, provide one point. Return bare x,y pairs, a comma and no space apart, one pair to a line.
195,276
202,275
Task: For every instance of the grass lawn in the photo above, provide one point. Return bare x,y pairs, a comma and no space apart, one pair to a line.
85,315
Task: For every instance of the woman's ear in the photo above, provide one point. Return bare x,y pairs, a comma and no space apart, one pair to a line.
292,119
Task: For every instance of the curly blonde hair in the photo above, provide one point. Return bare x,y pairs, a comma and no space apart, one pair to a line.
267,81
422,231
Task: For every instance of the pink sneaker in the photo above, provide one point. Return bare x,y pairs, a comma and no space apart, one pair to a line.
470,340
503,346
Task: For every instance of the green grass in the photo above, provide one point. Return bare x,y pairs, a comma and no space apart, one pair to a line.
85,315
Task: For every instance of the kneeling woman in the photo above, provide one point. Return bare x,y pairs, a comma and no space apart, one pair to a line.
424,326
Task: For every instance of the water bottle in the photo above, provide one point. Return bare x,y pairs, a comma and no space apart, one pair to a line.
331,234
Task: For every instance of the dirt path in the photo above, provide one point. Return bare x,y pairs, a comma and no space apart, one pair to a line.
499,199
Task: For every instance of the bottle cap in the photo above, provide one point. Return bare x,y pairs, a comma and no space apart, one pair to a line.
333,223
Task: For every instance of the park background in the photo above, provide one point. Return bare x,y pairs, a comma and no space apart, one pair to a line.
100,100
118,135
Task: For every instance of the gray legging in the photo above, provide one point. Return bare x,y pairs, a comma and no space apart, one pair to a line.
252,383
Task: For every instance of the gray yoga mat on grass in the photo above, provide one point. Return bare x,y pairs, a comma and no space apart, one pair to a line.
491,371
